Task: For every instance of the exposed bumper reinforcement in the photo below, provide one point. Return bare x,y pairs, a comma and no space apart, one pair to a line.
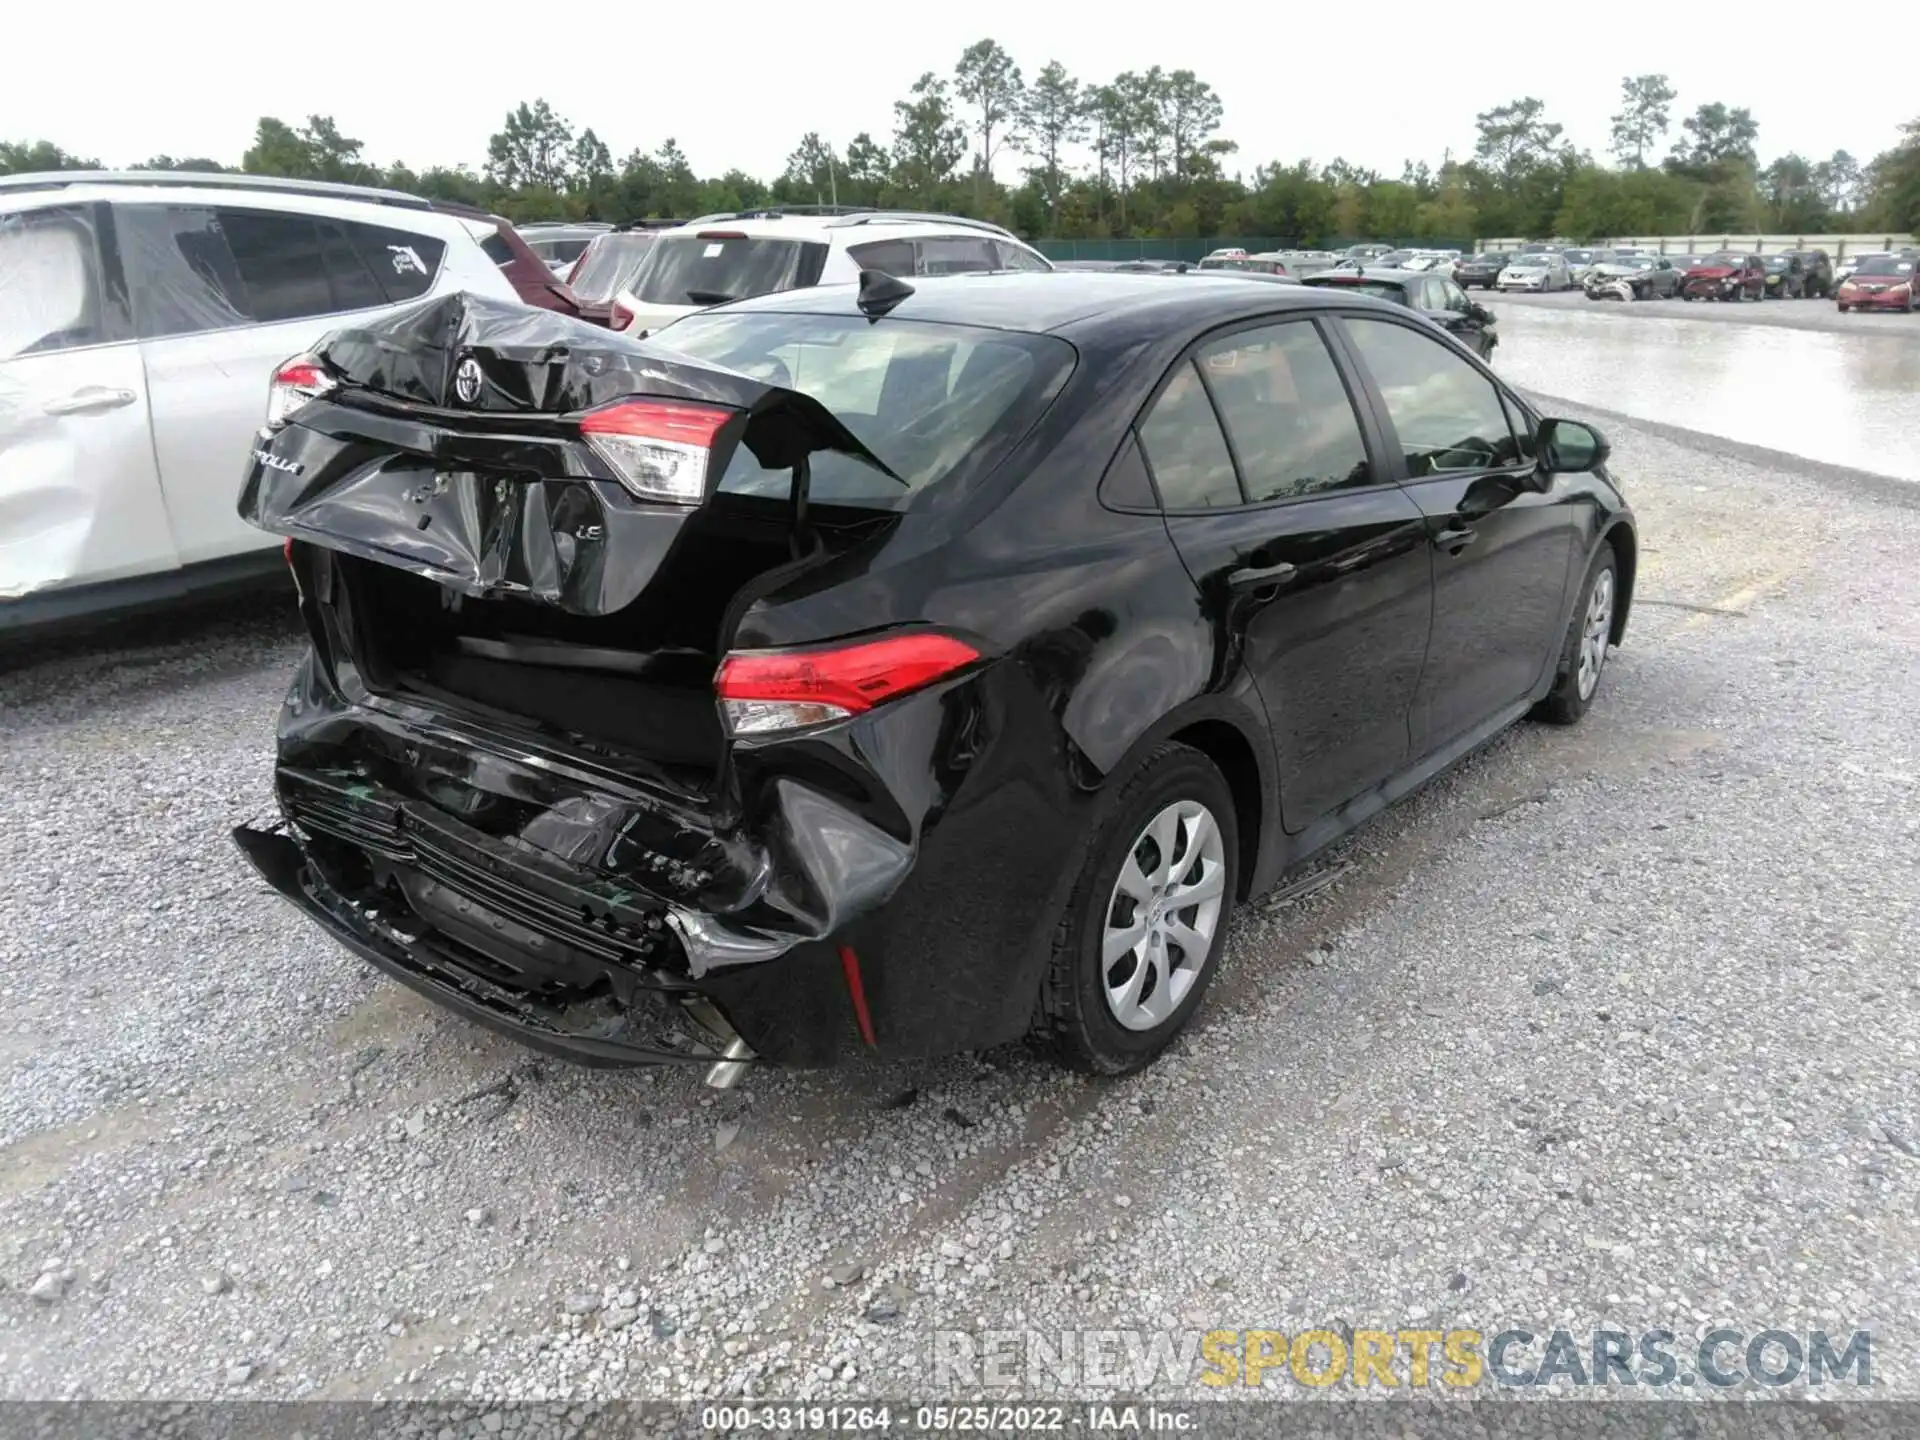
416,961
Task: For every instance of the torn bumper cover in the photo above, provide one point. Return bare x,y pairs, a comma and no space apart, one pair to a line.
582,918
583,888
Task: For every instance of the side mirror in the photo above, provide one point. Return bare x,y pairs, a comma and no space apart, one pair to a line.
1568,447
1479,313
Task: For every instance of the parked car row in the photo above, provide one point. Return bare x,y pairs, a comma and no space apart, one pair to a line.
1881,280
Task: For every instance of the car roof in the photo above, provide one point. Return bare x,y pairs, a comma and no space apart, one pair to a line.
1387,273
849,225
1040,303
118,182
342,202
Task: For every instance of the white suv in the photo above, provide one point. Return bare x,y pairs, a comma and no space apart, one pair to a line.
141,318
718,258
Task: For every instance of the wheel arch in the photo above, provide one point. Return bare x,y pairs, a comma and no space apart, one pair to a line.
1626,559
1220,728
1235,758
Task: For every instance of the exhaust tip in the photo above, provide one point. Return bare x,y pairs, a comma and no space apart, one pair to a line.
731,1069
736,1056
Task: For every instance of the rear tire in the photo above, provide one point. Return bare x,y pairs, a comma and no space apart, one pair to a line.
1583,654
1107,1006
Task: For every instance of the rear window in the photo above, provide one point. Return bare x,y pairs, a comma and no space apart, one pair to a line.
1381,288
560,252
711,269
609,265
939,404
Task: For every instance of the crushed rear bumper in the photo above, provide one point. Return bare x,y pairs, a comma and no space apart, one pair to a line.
398,945
890,885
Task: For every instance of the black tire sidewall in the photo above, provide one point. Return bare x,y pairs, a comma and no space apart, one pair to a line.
1179,773
1565,700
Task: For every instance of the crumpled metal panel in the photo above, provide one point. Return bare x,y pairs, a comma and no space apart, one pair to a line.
498,496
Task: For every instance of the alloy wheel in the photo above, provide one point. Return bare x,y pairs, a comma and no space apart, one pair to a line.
1164,915
1595,634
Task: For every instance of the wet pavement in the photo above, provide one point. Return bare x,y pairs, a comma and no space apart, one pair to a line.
1793,376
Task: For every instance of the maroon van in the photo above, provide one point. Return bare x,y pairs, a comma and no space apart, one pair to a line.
529,275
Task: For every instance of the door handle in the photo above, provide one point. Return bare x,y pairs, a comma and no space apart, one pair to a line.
1254,577
90,399
1455,540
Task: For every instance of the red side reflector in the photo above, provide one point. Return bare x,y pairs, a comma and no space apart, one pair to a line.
677,422
853,678
720,235
857,992
287,550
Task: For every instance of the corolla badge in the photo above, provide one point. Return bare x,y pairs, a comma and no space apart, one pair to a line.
274,462
466,381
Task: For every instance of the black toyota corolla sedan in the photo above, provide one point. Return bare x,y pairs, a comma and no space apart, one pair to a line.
913,666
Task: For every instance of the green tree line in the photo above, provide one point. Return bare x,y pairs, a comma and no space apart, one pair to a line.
1055,155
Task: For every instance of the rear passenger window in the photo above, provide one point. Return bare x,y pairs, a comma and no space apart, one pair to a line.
194,269
355,287
181,270
1184,447
1448,415
50,292
890,257
405,263
1286,411
281,263
956,255
1018,257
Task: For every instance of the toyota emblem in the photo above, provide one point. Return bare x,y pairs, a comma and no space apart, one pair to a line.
466,381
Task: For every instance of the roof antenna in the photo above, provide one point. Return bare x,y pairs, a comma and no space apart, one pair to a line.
880,292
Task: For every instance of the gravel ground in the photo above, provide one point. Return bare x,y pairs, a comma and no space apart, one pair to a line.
1789,314
1611,1026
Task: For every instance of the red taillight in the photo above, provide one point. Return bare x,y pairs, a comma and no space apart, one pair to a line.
293,569
658,448
294,383
620,317
768,690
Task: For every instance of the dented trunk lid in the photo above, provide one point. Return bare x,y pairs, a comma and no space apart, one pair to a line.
455,443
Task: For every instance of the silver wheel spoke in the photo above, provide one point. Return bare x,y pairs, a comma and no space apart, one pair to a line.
1200,829
1165,831
1193,945
1133,880
1120,941
1212,882
1161,1002
1128,997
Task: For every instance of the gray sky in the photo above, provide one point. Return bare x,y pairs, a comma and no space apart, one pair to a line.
738,83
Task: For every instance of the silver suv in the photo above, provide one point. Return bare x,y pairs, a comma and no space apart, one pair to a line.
142,317
718,258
